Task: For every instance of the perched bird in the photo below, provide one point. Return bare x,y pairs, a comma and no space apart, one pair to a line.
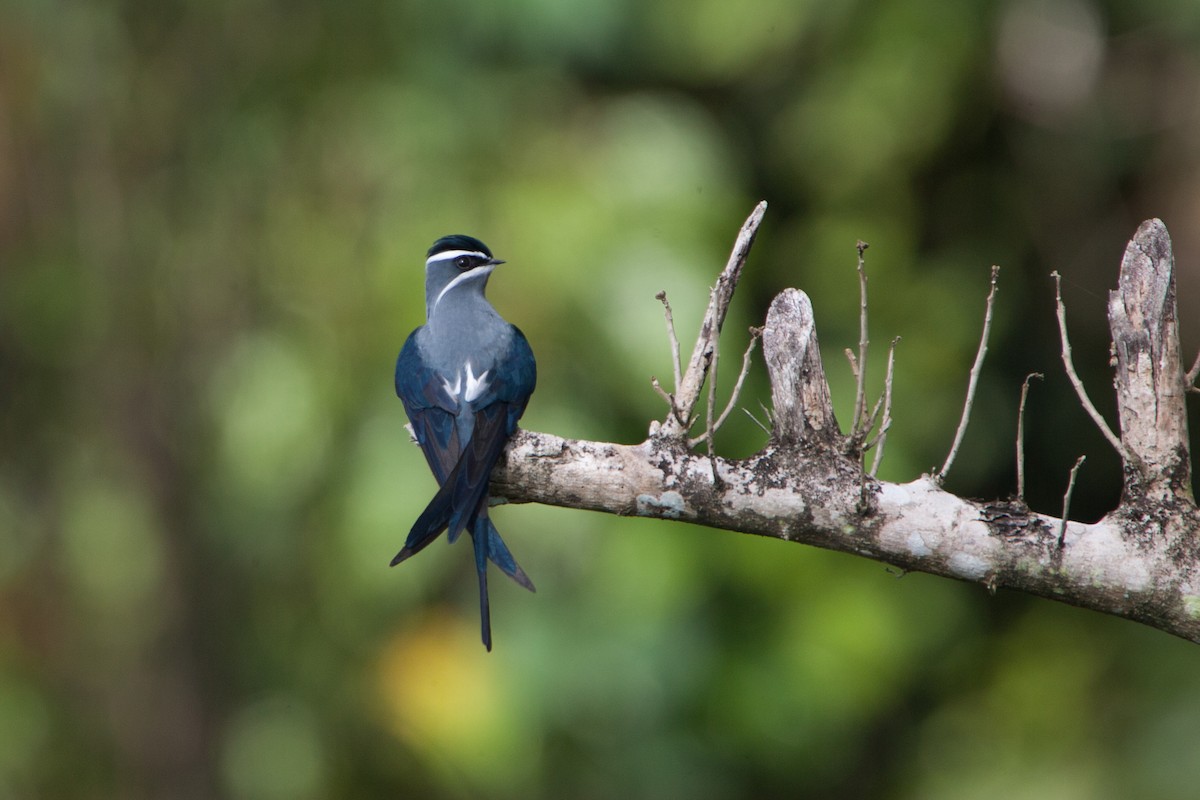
465,377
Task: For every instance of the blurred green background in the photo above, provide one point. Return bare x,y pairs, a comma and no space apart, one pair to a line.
213,218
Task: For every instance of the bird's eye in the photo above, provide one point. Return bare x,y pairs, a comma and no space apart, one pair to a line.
464,262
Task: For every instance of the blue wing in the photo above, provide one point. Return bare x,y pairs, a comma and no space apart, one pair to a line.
430,409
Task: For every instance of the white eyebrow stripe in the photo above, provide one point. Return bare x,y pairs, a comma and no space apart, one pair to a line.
477,272
451,254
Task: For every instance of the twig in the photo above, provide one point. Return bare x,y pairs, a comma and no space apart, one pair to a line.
884,402
881,404
973,382
1021,434
1081,392
675,363
666,396
881,438
1192,374
860,387
769,413
708,409
755,333
871,419
1062,527
749,414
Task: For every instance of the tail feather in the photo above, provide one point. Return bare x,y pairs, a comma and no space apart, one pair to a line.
470,476
461,503
453,507
417,541
500,556
429,526
469,494
485,613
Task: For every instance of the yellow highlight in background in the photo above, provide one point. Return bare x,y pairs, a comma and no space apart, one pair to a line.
446,697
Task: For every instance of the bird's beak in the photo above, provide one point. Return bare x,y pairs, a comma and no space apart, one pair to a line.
495,262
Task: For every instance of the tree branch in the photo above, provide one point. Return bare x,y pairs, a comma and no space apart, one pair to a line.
860,365
973,380
1062,526
1021,434
1142,561
915,526
1073,376
881,437
687,391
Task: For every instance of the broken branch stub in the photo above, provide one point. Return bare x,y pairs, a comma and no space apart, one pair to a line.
803,411
1149,370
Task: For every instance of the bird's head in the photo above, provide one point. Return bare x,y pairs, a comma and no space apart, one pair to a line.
456,267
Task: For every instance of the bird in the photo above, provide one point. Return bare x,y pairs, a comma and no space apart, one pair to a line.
465,378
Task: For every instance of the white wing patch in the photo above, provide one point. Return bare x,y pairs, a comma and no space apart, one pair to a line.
475,385
452,389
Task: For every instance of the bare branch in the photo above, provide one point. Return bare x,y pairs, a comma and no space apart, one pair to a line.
1069,365
709,427
1140,562
767,412
868,424
976,369
675,363
882,403
860,374
670,401
881,438
1062,527
1192,374
756,421
813,496
1021,434
687,393
755,333
667,398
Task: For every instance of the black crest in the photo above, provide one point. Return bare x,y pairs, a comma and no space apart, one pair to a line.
458,242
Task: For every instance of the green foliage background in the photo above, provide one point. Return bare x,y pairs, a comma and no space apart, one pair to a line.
212,224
